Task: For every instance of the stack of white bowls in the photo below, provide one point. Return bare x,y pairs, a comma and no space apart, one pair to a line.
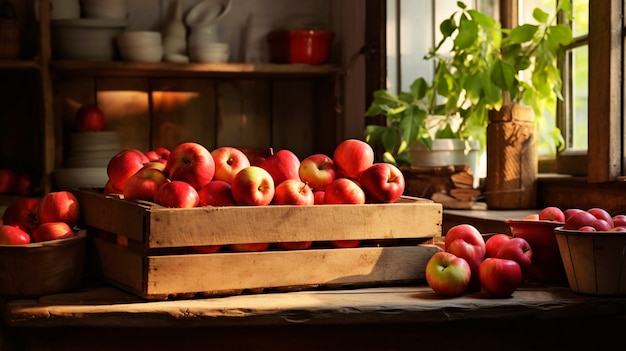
105,9
209,52
86,164
140,46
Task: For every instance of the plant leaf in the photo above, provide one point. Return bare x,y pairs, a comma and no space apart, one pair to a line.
560,33
540,16
468,34
522,34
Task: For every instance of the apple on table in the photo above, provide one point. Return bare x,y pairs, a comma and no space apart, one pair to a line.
447,274
518,250
500,277
465,241
494,242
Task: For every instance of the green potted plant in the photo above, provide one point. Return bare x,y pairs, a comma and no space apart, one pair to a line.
487,67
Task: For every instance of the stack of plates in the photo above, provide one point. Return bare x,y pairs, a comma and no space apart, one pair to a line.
88,157
94,149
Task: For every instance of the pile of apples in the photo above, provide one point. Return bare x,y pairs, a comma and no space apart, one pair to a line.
595,219
13,182
32,219
469,263
190,176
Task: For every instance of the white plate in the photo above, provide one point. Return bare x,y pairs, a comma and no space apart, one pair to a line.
90,177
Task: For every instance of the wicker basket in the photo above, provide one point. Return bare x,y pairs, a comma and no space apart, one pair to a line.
42,268
595,262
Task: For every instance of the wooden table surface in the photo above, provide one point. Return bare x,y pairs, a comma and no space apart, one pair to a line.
390,318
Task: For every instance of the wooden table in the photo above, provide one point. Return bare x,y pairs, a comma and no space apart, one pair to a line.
384,318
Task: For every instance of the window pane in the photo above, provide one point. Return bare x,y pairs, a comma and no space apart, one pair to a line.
580,24
580,80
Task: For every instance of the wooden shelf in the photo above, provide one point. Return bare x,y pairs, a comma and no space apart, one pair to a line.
195,70
19,65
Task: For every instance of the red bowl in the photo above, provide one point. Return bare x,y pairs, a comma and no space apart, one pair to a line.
547,265
300,46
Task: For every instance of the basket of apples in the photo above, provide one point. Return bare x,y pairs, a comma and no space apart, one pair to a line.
40,251
592,244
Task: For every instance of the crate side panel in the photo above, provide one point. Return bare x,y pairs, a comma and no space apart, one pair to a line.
120,265
112,214
229,225
205,273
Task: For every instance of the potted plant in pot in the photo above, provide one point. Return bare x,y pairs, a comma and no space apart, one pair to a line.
487,71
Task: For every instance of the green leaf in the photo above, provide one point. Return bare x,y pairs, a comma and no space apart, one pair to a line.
560,33
419,88
540,16
468,34
390,140
522,34
503,75
482,19
461,5
411,123
447,27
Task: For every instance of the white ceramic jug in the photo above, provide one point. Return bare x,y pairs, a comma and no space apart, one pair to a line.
175,33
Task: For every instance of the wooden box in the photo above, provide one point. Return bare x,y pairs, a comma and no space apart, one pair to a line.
157,263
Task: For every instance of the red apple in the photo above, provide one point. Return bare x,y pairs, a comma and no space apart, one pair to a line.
206,248
13,235
465,241
587,228
552,213
494,243
52,231
109,189
318,197
160,154
352,157
293,192
22,213
89,118
532,217
317,170
59,206
8,181
123,165
500,277
518,250
619,228
254,186
216,193
294,245
447,274
382,183
249,247
345,244
282,165
579,219
177,194
24,185
619,220
344,191
192,163
144,184
603,214
228,162
571,211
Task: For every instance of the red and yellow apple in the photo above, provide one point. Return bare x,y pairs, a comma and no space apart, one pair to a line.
228,162
144,184
52,231
317,170
293,192
465,241
253,186
447,274
191,163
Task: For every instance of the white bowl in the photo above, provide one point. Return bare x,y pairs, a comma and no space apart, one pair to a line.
109,9
142,53
85,38
89,177
209,55
138,39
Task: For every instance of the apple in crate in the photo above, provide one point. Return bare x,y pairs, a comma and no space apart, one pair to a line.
89,118
447,274
228,162
382,183
317,170
52,231
351,157
500,277
465,241
253,186
619,220
294,245
144,184
518,250
293,192
253,247
123,165
216,193
494,243
13,235
59,206
282,165
177,194
22,213
192,163
344,191
159,154
584,219
318,197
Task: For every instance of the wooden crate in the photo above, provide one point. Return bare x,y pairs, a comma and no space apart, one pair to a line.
157,262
